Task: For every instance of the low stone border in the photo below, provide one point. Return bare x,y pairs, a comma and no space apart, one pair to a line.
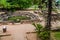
22,22
31,36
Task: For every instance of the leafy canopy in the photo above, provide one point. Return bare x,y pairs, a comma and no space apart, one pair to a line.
15,3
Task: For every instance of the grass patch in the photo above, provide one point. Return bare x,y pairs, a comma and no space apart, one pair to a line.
18,18
57,35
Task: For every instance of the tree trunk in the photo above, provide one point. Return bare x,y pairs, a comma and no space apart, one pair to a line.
48,24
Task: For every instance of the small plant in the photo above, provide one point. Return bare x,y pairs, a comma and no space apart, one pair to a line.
38,27
41,32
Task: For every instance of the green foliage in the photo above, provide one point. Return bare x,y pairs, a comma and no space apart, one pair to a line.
57,35
4,4
38,27
22,4
36,2
15,3
18,18
41,32
44,35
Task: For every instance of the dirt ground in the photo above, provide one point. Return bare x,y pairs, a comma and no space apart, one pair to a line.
18,32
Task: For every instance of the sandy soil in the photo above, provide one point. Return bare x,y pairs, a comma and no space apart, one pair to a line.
18,32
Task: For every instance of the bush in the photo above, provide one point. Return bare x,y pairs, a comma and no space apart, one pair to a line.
44,35
41,32
20,4
38,27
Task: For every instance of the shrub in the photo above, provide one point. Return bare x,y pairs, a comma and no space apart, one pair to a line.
41,32
44,35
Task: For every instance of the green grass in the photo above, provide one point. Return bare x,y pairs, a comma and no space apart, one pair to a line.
57,35
18,17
